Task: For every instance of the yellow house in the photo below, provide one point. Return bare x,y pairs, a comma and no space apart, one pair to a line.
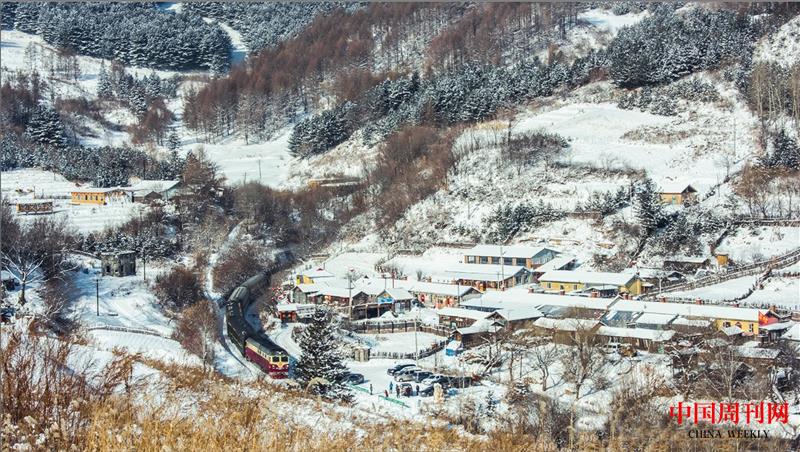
673,193
312,276
97,196
572,281
720,316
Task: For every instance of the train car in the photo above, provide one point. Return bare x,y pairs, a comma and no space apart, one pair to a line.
268,356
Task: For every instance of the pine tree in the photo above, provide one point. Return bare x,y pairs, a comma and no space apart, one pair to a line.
321,358
173,141
104,89
647,206
45,127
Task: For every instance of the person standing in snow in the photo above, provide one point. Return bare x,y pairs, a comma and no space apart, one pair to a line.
370,389
397,390
386,393
416,390
391,386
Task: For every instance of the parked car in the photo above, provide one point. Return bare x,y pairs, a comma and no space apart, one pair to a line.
426,392
408,376
354,379
406,370
421,375
432,379
397,368
442,380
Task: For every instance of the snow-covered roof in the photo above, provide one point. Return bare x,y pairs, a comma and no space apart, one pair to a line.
316,273
648,272
652,318
454,345
448,290
732,330
688,310
687,259
793,334
587,277
308,288
339,292
397,293
683,321
516,251
461,312
286,307
483,272
480,326
778,326
756,352
675,187
636,333
519,313
557,263
158,186
566,324
96,190
511,299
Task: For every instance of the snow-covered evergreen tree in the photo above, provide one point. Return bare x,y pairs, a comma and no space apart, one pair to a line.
322,358
647,205
45,127
104,88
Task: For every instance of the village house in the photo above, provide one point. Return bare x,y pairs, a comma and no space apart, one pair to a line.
150,190
303,293
529,257
605,283
438,295
398,298
564,331
792,334
310,276
118,263
97,196
550,305
748,320
486,276
476,334
685,264
459,317
560,262
514,318
774,331
338,297
640,338
34,207
374,287
676,193
654,278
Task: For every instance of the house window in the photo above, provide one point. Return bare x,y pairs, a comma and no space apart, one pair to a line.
549,286
470,259
674,199
495,260
574,287
561,287
484,260
726,324
750,327
508,261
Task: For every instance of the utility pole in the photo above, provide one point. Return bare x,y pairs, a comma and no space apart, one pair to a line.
259,170
350,292
502,268
97,294
416,347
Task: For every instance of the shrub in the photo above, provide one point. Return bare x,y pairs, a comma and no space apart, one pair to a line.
178,289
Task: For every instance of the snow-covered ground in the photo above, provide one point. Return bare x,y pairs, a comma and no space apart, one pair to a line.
36,185
748,244
782,47
779,291
719,292
397,342
268,162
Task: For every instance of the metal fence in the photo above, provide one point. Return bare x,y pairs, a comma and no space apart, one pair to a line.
396,327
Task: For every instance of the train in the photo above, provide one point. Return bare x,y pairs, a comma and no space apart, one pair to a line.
254,345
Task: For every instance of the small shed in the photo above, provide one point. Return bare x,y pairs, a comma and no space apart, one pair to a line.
35,207
119,263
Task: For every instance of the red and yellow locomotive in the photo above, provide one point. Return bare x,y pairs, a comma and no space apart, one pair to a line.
269,357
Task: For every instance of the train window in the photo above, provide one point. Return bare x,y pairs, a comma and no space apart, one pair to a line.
285,359
276,359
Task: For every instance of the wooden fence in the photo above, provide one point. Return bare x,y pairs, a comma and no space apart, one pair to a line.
737,272
424,353
397,327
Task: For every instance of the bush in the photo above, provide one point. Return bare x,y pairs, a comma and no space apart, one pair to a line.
178,289
238,264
